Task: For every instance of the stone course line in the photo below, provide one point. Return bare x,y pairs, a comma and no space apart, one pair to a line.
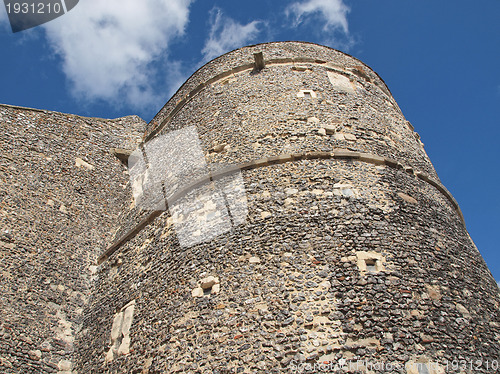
251,66
274,160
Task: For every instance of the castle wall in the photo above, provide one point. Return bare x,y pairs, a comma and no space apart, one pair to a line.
351,248
61,192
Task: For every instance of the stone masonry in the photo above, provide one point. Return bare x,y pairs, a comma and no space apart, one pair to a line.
351,250
61,191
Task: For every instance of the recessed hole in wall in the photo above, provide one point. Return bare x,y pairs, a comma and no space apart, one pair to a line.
371,265
207,286
300,68
370,262
306,93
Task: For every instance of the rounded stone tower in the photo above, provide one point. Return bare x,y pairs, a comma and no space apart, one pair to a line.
293,222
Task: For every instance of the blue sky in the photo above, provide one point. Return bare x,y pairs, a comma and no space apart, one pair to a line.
440,59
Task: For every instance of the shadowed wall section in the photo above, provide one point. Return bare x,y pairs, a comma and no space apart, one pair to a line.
61,190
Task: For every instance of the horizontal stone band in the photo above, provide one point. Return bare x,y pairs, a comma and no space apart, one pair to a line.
268,161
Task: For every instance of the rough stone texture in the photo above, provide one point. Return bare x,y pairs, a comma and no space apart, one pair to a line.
355,258
351,250
61,191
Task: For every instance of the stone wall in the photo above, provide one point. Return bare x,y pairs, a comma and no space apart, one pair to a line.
61,190
292,283
340,256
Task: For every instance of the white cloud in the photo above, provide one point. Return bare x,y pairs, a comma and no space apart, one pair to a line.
332,12
108,47
227,34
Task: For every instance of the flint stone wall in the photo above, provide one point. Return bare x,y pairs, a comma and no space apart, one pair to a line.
61,190
291,289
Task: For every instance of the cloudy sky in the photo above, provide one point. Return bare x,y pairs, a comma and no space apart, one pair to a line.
440,60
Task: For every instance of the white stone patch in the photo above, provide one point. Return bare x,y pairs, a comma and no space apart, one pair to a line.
80,163
254,260
265,215
120,332
407,198
341,82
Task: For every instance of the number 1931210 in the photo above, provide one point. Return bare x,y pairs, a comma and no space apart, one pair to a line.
34,8
456,365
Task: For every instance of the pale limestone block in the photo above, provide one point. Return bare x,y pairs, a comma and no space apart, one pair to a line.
215,289
80,163
254,260
116,327
265,215
197,292
303,93
124,348
329,129
363,256
128,314
65,365
407,198
110,355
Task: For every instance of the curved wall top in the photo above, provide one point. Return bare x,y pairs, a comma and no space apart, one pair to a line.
242,59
